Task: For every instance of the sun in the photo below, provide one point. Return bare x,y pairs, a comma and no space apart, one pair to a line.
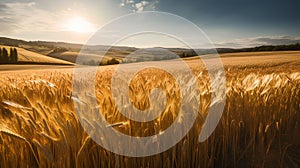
79,24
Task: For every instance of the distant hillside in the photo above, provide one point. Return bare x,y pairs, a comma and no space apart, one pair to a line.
69,51
29,57
290,47
42,46
17,43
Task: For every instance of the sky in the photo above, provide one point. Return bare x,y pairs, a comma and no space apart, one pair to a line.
227,23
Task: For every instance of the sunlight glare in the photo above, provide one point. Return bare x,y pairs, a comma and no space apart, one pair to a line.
79,24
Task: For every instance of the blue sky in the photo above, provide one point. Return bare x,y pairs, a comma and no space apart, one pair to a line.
228,23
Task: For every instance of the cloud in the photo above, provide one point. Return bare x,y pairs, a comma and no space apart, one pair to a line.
139,6
258,41
2,7
278,40
19,17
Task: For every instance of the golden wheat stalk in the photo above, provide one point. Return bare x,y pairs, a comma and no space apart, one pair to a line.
19,137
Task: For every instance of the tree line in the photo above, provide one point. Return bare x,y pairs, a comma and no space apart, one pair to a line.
6,58
289,47
112,61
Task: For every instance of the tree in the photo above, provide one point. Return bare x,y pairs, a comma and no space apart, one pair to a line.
13,55
5,56
1,58
16,54
113,61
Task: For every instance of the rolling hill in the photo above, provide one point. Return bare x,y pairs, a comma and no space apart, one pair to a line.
29,57
68,52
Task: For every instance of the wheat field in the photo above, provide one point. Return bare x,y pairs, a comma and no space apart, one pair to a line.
259,127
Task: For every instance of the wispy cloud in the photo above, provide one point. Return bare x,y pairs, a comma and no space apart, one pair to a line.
139,6
259,41
18,17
